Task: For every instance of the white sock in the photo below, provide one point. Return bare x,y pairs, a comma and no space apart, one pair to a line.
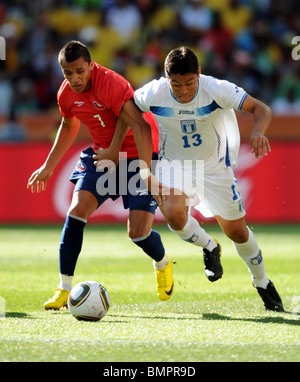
193,233
65,282
161,264
251,254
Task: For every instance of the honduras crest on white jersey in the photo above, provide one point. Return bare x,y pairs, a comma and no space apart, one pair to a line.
203,129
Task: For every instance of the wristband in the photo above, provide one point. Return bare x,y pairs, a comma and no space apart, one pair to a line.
145,173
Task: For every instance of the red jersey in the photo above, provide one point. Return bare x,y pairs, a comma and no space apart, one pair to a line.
100,107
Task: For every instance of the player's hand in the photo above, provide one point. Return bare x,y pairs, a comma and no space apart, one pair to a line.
259,144
38,180
106,158
157,190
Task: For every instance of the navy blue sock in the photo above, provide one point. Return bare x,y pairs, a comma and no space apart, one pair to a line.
70,245
152,245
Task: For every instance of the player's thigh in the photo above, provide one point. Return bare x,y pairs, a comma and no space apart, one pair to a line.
83,204
139,223
222,196
236,230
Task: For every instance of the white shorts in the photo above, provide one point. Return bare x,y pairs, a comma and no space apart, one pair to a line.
218,192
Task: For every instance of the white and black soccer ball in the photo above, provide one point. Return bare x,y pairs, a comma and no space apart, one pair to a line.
89,300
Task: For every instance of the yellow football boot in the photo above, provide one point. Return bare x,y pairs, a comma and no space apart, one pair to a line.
59,300
164,282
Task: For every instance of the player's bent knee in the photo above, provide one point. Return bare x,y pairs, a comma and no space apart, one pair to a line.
238,236
176,219
137,233
83,204
79,212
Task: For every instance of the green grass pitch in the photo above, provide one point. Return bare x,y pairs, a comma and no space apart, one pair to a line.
203,321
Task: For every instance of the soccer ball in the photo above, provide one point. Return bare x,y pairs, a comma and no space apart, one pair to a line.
89,301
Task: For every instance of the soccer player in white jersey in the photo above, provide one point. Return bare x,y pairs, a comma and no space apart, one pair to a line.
197,125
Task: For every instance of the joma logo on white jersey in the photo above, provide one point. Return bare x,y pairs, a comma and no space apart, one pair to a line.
190,112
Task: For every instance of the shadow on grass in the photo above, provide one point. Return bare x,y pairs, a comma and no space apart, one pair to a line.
18,315
216,316
130,317
265,320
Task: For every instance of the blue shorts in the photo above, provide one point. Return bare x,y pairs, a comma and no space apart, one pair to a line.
111,186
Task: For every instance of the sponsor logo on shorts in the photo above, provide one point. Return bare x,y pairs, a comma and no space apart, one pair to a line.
241,206
80,167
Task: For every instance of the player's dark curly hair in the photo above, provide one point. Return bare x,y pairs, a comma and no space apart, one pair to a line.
181,60
72,51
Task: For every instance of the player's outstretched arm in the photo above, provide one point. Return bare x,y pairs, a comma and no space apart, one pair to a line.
262,115
64,138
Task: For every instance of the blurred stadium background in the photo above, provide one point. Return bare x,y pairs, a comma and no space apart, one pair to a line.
248,42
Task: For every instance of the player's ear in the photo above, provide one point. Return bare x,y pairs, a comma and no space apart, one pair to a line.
91,65
199,71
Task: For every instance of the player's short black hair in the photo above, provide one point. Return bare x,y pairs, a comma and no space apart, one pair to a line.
181,60
72,51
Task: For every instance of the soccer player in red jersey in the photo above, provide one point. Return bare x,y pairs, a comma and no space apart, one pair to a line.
103,101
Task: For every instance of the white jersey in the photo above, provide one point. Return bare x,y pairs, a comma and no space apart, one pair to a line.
202,129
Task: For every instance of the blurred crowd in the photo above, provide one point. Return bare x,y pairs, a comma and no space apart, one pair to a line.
245,41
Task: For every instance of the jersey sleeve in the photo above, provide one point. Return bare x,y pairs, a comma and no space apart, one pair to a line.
117,91
63,105
65,113
228,95
143,97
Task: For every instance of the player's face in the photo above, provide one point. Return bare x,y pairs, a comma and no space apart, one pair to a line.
184,86
78,74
